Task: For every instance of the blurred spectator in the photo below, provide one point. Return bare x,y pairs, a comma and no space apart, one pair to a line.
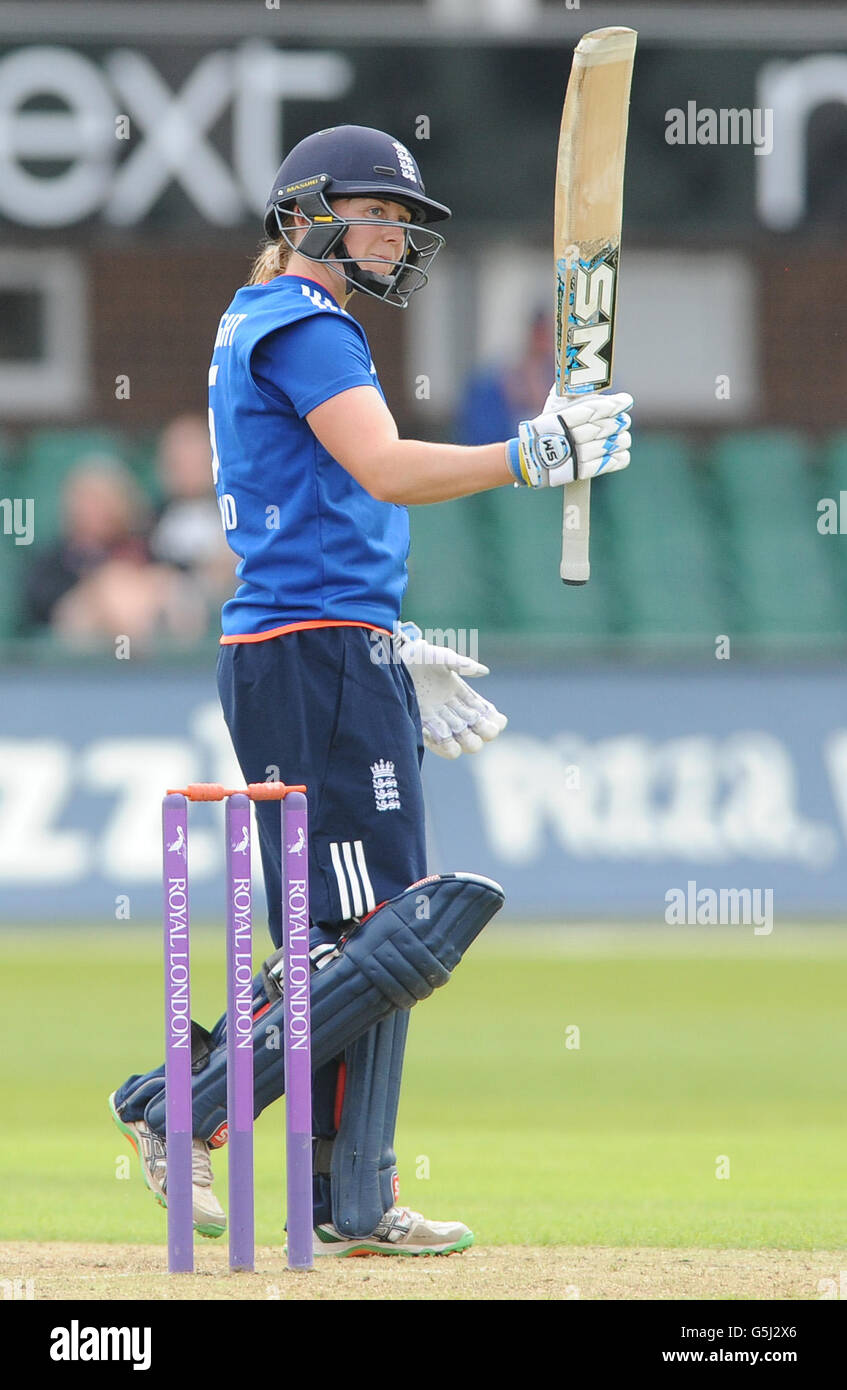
497,398
188,532
104,516
98,580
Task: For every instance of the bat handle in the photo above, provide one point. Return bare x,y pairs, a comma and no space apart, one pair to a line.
576,526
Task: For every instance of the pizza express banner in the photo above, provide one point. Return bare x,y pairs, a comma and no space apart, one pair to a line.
651,795
183,135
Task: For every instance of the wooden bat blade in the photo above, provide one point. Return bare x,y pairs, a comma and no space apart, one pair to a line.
589,208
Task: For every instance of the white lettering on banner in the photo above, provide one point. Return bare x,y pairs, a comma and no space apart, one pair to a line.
40,778
702,799
698,798
81,132
255,79
36,782
175,146
794,91
264,79
138,770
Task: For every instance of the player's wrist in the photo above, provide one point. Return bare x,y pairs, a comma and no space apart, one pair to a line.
515,464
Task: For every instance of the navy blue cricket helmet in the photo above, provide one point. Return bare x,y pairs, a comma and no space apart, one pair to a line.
350,161
345,161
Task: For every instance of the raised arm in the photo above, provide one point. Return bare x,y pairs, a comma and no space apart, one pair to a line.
357,428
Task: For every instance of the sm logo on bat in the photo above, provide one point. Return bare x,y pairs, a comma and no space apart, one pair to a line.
588,287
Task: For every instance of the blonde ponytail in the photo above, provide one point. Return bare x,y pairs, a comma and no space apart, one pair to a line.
270,262
273,257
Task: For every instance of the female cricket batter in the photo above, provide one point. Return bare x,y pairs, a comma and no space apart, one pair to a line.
319,682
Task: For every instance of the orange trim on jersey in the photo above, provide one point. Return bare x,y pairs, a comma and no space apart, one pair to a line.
228,640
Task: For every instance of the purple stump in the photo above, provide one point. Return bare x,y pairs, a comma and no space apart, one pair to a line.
296,1023
178,1118
239,1032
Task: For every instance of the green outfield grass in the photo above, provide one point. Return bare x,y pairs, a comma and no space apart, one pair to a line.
692,1046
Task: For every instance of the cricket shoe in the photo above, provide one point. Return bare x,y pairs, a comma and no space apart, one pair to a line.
400,1232
209,1215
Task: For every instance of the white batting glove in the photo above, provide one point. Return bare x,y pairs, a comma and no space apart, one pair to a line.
579,437
454,718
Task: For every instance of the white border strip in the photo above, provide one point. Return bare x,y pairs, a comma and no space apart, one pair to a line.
687,26
342,882
358,901
370,900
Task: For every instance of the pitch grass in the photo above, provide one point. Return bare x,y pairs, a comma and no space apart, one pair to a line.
700,1052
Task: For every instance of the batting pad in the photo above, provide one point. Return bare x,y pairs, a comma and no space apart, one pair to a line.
404,951
364,1164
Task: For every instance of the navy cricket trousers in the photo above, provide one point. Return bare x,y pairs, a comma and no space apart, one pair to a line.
324,707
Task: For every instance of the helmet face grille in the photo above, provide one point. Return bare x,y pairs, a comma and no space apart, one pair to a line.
324,240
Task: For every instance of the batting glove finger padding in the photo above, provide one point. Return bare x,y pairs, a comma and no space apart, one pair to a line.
586,436
463,724
454,718
439,733
468,741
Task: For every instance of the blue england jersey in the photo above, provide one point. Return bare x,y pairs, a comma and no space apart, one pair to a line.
313,545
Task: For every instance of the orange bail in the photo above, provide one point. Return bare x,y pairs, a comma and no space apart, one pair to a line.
201,791
271,791
216,791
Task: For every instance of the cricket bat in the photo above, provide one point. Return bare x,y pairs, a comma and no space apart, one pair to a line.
589,207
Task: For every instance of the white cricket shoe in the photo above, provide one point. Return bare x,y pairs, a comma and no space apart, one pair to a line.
400,1232
209,1215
